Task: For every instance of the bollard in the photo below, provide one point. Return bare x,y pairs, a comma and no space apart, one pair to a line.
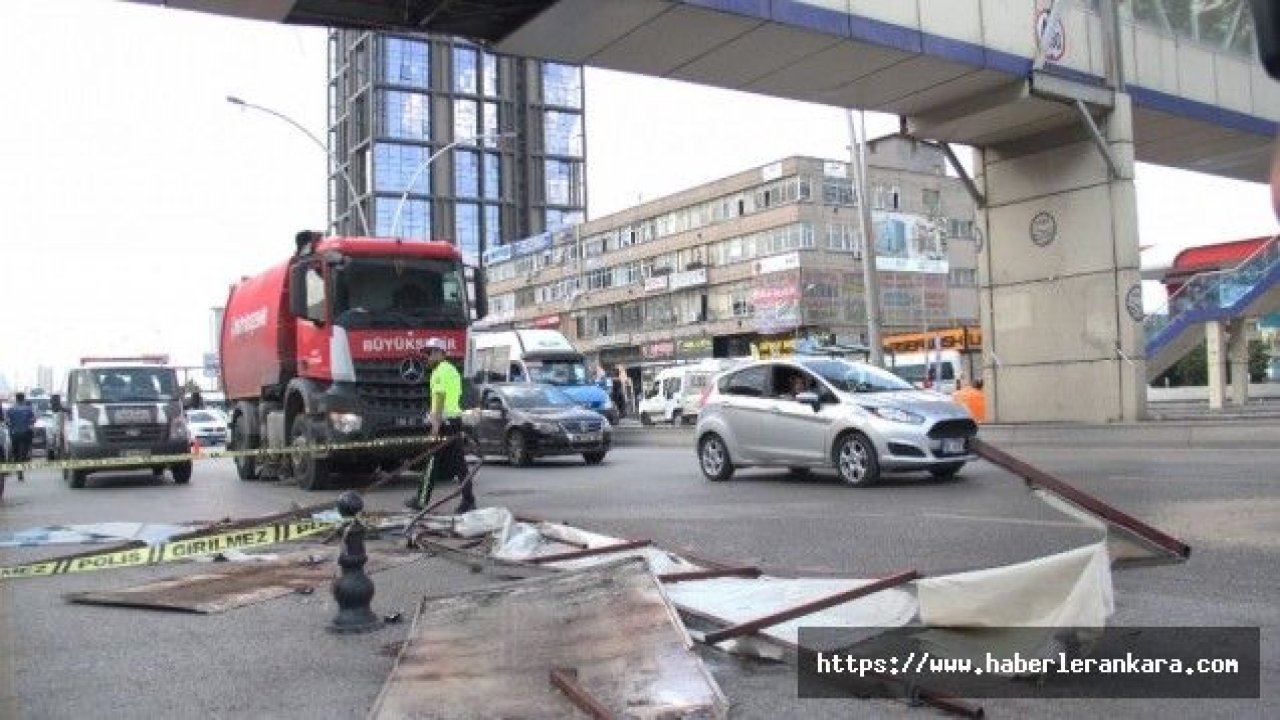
353,589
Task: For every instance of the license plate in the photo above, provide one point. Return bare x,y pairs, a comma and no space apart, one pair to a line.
584,438
953,445
135,453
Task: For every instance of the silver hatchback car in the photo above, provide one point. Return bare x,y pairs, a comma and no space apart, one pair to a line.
808,413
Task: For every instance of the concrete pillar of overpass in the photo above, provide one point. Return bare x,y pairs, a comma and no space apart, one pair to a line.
1238,356
1215,335
1061,296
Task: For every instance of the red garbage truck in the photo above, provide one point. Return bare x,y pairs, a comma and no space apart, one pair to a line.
323,348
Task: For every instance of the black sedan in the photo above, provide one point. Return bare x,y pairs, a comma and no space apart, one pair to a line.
524,421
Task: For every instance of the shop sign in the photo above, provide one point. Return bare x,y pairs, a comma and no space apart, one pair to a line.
776,263
699,347
614,341
547,321
659,350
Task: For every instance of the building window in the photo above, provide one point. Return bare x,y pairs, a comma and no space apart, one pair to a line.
562,133
490,75
395,165
492,226
556,218
562,85
492,177
964,277
466,120
414,221
895,198
932,200
466,176
405,62
404,115
563,183
465,60
491,125
467,231
837,191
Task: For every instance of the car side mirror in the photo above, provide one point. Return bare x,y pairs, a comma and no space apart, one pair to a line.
55,403
811,399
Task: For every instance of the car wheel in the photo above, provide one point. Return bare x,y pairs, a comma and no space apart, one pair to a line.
518,449
856,461
181,473
946,472
713,457
594,458
77,478
311,472
677,418
247,465
645,419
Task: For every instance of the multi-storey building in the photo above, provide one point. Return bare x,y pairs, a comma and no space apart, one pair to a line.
396,100
761,257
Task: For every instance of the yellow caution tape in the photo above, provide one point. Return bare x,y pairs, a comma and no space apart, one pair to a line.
238,539
150,460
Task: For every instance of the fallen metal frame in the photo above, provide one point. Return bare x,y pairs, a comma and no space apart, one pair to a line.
566,681
1037,478
589,552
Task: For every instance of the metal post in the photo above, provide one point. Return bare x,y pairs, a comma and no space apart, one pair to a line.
870,278
353,590
355,197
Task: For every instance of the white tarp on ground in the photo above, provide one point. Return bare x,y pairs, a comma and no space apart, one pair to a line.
107,532
1070,589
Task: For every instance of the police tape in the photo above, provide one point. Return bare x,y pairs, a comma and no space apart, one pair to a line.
187,549
136,460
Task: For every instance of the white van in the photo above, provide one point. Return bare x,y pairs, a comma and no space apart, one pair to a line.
935,370
543,356
673,395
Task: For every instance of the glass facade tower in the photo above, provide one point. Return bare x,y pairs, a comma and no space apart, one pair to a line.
395,100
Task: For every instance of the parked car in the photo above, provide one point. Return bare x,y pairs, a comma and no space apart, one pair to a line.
525,421
673,395
207,426
808,413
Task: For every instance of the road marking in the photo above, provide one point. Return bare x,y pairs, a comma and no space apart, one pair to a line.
1004,520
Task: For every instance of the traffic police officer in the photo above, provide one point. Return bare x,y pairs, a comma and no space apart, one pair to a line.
446,421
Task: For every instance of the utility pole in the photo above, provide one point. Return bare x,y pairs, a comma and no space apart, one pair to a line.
870,278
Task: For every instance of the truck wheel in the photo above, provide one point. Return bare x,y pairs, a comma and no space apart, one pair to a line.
181,473
246,466
77,477
645,419
311,472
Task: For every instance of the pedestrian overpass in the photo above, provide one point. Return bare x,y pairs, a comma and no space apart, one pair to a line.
1060,97
1212,307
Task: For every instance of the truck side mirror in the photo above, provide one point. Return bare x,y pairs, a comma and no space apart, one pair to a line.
298,291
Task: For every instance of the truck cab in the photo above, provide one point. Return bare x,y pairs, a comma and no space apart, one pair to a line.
121,409
542,356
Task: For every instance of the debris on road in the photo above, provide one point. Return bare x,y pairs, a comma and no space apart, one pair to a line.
237,585
489,652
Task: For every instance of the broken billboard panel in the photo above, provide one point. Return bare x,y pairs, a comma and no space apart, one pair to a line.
490,652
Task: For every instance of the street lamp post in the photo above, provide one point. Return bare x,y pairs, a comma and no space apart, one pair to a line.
395,219
355,197
870,278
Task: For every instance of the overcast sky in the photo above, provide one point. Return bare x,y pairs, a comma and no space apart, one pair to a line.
133,194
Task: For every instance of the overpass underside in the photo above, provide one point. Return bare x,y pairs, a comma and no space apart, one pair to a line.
1059,118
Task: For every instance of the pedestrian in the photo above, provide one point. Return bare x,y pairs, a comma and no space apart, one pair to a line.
22,422
973,399
618,393
445,400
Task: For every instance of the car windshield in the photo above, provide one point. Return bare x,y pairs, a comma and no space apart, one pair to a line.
128,385
201,416
536,396
558,372
857,377
40,406
377,292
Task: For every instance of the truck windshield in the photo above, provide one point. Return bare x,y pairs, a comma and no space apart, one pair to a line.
385,292
128,385
558,372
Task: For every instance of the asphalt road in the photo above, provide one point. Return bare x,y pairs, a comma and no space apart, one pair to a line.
274,659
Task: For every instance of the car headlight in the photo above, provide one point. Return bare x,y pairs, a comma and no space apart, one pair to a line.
893,414
547,428
346,422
